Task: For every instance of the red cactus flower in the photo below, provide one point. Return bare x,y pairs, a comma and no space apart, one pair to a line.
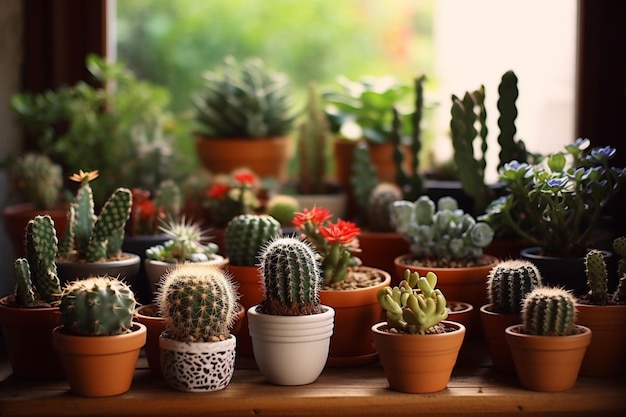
218,191
245,178
342,232
316,216
146,208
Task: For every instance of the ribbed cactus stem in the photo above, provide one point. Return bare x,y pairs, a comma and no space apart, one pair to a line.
509,282
41,250
246,234
97,306
549,312
510,149
198,303
378,210
597,276
84,218
364,176
109,226
291,278
24,292
312,144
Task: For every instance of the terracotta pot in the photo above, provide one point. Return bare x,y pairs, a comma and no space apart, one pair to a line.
547,363
17,216
250,290
493,329
355,313
291,350
460,312
379,250
99,366
125,269
415,363
156,269
606,355
27,335
266,157
198,366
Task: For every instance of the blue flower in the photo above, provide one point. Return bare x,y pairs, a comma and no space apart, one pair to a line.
557,182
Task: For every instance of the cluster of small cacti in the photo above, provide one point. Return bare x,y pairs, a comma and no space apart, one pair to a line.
442,232
97,306
185,244
291,278
597,275
38,179
245,234
198,303
415,306
94,237
509,282
549,312
378,211
36,274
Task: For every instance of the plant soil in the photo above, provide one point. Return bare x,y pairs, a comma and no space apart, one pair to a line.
450,263
357,277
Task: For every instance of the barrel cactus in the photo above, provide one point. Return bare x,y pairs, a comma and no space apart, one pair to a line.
509,282
549,312
378,207
291,278
198,303
97,306
245,234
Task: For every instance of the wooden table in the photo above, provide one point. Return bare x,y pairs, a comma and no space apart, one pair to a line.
474,390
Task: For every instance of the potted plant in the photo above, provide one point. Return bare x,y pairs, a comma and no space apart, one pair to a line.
91,245
290,328
557,207
507,285
604,312
348,287
449,242
199,306
245,235
418,347
231,195
243,116
29,315
548,347
98,341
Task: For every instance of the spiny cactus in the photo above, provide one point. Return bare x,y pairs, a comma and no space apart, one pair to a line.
509,282
96,238
38,179
185,243
245,234
291,278
364,176
597,276
97,306
510,149
36,274
379,207
549,312
415,305
198,303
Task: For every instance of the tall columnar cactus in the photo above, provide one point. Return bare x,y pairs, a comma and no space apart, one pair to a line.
36,274
38,179
549,312
245,234
509,282
291,278
97,306
198,303
619,246
510,149
97,237
415,305
597,277
364,176
378,211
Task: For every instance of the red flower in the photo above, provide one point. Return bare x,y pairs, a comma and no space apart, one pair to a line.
245,178
146,208
316,216
342,232
218,191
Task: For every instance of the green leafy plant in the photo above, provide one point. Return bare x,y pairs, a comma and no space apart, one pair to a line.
509,282
549,312
186,244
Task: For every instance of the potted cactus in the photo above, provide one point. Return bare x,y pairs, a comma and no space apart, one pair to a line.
604,312
199,306
98,341
418,347
243,117
91,245
29,315
290,328
548,347
507,285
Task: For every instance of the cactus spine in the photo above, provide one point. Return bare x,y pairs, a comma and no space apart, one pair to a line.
245,234
291,278
378,210
509,282
549,312
597,276
198,303
97,306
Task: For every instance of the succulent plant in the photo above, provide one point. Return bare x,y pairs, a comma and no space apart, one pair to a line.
443,232
185,244
509,282
244,100
598,277
94,237
415,306
378,211
246,234
198,303
282,207
36,274
97,306
549,312
291,277
38,179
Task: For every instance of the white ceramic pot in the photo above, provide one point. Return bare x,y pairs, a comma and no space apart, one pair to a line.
291,350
